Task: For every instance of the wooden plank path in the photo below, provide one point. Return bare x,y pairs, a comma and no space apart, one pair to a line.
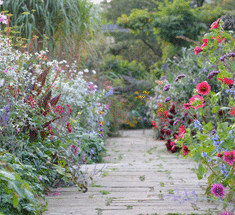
139,177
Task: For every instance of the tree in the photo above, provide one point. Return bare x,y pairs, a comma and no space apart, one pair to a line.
115,8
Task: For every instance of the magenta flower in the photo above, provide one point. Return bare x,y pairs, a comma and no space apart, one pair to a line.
218,190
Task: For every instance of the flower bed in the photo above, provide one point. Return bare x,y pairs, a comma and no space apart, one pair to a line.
193,110
52,120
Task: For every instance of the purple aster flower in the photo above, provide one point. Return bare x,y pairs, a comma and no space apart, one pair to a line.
179,77
223,58
166,87
232,54
163,77
213,131
167,99
212,74
218,190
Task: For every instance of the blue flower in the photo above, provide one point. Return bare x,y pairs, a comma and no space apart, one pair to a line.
204,155
198,125
109,93
223,170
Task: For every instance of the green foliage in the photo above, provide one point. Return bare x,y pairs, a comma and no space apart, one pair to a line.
115,66
53,23
20,187
174,20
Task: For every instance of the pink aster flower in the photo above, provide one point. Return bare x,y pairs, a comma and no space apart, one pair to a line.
196,101
218,190
229,157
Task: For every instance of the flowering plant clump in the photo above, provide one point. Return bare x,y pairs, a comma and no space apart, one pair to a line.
52,120
202,123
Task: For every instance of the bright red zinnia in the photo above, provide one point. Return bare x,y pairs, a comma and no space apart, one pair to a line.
215,24
197,50
69,127
229,157
185,150
203,88
196,101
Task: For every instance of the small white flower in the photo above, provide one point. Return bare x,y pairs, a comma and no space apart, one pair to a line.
86,70
1,2
94,72
80,73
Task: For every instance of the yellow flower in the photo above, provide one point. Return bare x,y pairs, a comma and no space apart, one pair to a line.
79,113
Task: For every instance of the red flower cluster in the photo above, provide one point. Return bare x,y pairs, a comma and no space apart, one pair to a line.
32,102
229,157
69,127
197,50
204,42
229,82
182,131
59,109
154,124
70,109
187,106
232,112
203,88
50,130
185,150
215,24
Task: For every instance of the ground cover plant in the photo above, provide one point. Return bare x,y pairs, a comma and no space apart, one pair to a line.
193,110
52,120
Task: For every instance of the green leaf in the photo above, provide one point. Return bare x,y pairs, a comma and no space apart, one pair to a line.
200,172
15,201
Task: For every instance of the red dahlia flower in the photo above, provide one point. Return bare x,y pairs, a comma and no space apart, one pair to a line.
229,157
215,24
50,130
203,88
69,127
227,81
218,190
196,101
197,50
185,150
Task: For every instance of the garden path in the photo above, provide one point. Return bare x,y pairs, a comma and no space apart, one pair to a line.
138,177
